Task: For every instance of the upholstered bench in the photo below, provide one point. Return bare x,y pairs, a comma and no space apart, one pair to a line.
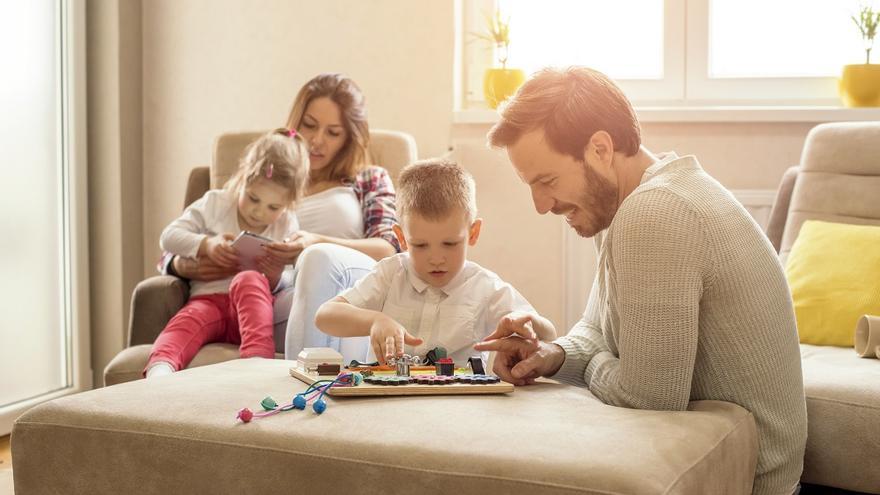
178,434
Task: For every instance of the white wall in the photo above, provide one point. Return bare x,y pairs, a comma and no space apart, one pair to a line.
221,65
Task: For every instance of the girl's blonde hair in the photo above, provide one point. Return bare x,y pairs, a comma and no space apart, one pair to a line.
352,157
280,156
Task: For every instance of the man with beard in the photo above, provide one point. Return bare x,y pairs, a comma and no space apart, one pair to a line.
689,302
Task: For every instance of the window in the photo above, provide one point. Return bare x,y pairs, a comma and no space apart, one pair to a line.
678,52
43,331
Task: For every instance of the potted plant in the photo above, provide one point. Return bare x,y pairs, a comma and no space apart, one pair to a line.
499,83
860,83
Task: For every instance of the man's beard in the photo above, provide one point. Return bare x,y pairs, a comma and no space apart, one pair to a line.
599,201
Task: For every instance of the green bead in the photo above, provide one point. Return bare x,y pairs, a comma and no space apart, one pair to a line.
269,403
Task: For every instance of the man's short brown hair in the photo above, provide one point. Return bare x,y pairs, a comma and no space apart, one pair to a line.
434,189
570,105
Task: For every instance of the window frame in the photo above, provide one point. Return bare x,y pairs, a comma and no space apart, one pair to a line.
73,188
686,82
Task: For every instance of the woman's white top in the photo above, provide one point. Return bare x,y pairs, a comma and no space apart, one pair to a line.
335,212
215,213
455,316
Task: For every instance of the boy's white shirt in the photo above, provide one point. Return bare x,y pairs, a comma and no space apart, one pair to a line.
456,316
215,213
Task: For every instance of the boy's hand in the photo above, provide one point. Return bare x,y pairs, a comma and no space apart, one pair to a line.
219,249
514,323
388,338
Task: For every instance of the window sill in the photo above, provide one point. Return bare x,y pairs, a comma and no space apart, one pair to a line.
720,114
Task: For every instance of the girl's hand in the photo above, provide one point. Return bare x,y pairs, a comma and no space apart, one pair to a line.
272,267
219,249
289,249
388,338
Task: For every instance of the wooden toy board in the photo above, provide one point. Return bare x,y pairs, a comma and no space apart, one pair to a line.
368,389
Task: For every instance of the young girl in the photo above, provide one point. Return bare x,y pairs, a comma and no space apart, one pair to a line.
259,198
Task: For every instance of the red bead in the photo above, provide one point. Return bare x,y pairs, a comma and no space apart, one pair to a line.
245,415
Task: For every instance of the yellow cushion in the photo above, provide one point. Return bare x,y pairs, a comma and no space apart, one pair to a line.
834,273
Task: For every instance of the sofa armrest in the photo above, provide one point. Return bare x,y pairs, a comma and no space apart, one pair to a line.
779,212
198,184
153,302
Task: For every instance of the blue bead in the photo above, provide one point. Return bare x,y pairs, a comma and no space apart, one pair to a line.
299,402
319,406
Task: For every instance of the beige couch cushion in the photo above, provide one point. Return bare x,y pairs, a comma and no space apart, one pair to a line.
177,434
843,407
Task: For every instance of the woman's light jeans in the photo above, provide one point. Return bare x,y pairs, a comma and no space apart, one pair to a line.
321,273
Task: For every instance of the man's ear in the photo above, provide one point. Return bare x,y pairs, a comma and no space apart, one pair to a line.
474,231
400,237
600,151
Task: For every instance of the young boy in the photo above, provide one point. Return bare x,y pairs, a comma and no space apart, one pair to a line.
430,295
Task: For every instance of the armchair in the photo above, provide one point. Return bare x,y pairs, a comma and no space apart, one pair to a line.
156,299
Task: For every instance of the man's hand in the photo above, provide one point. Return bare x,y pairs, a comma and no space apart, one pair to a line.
520,361
219,249
202,269
387,337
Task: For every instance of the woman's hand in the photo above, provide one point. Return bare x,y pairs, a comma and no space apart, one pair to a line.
289,249
202,269
388,338
219,249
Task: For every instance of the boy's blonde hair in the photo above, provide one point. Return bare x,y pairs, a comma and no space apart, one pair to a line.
280,156
434,188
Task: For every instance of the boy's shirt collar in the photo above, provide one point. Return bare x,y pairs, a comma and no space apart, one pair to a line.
420,285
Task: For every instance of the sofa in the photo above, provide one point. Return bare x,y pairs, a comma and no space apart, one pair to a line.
156,299
838,180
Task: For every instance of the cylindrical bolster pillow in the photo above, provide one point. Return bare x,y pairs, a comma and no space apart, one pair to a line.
867,338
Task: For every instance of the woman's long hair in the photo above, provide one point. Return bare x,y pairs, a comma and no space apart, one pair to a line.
352,157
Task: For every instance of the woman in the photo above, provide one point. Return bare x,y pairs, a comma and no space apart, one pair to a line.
346,216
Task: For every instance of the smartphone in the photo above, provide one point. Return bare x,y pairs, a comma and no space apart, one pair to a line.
250,246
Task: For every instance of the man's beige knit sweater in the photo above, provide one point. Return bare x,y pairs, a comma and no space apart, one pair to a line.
690,303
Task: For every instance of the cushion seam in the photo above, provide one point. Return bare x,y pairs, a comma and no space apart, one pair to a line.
795,210
826,172
837,401
324,456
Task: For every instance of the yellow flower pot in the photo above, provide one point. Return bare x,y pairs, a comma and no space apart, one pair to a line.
501,84
860,85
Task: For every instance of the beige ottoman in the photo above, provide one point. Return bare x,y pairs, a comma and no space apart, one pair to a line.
178,434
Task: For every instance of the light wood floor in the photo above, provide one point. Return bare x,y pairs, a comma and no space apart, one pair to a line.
5,467
5,453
